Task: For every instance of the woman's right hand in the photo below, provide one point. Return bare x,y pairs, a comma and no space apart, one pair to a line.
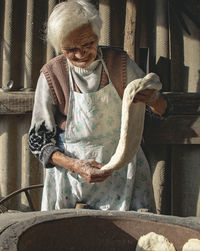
90,170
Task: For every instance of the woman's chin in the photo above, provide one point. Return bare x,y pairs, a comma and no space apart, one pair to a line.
82,64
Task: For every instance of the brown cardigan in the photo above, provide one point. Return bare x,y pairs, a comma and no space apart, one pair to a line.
56,73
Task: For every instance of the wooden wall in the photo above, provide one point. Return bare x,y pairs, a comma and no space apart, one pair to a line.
153,35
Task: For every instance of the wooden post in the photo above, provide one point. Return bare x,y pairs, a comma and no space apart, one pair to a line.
130,28
50,51
28,73
8,29
105,12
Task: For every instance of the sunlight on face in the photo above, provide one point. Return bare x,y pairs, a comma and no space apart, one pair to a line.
80,46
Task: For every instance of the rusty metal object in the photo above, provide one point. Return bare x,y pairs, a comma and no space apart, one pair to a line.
3,209
26,191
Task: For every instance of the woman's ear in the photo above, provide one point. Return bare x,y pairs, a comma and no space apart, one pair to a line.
61,51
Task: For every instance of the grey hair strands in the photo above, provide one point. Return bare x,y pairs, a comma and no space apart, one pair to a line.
69,15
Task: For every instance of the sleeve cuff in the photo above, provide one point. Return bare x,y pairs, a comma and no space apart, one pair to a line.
169,109
46,153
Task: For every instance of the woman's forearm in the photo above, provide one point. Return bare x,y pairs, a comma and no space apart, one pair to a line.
154,99
60,159
159,106
89,169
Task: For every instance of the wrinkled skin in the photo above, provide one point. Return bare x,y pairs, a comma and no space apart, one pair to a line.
80,46
91,170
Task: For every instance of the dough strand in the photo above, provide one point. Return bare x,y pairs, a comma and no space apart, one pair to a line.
132,122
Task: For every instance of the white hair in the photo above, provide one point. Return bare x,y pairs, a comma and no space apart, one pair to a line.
69,15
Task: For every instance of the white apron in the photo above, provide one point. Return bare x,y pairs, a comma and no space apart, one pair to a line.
92,132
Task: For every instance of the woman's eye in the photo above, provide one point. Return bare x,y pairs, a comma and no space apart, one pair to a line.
88,44
71,50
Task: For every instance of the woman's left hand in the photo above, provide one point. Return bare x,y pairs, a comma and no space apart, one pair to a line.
152,98
146,96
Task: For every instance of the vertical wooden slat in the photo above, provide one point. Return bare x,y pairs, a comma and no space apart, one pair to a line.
192,57
146,34
8,156
39,43
8,22
161,176
18,43
105,13
50,51
31,173
117,22
2,7
130,28
185,181
162,43
4,157
29,44
179,72
185,64
162,68
159,155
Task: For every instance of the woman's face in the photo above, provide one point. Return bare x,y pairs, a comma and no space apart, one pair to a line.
80,46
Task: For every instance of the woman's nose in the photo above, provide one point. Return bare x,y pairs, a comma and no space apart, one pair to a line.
80,53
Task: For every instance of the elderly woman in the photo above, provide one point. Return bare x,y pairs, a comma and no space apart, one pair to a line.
77,116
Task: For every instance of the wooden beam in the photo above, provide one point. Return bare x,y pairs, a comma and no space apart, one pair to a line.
22,102
182,127
16,102
177,129
184,103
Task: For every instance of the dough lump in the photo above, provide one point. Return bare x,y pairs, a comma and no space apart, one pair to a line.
132,122
154,242
192,245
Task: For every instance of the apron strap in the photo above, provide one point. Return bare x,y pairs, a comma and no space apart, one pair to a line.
57,75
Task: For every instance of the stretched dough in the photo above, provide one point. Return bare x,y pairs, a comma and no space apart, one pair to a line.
132,122
154,242
192,245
